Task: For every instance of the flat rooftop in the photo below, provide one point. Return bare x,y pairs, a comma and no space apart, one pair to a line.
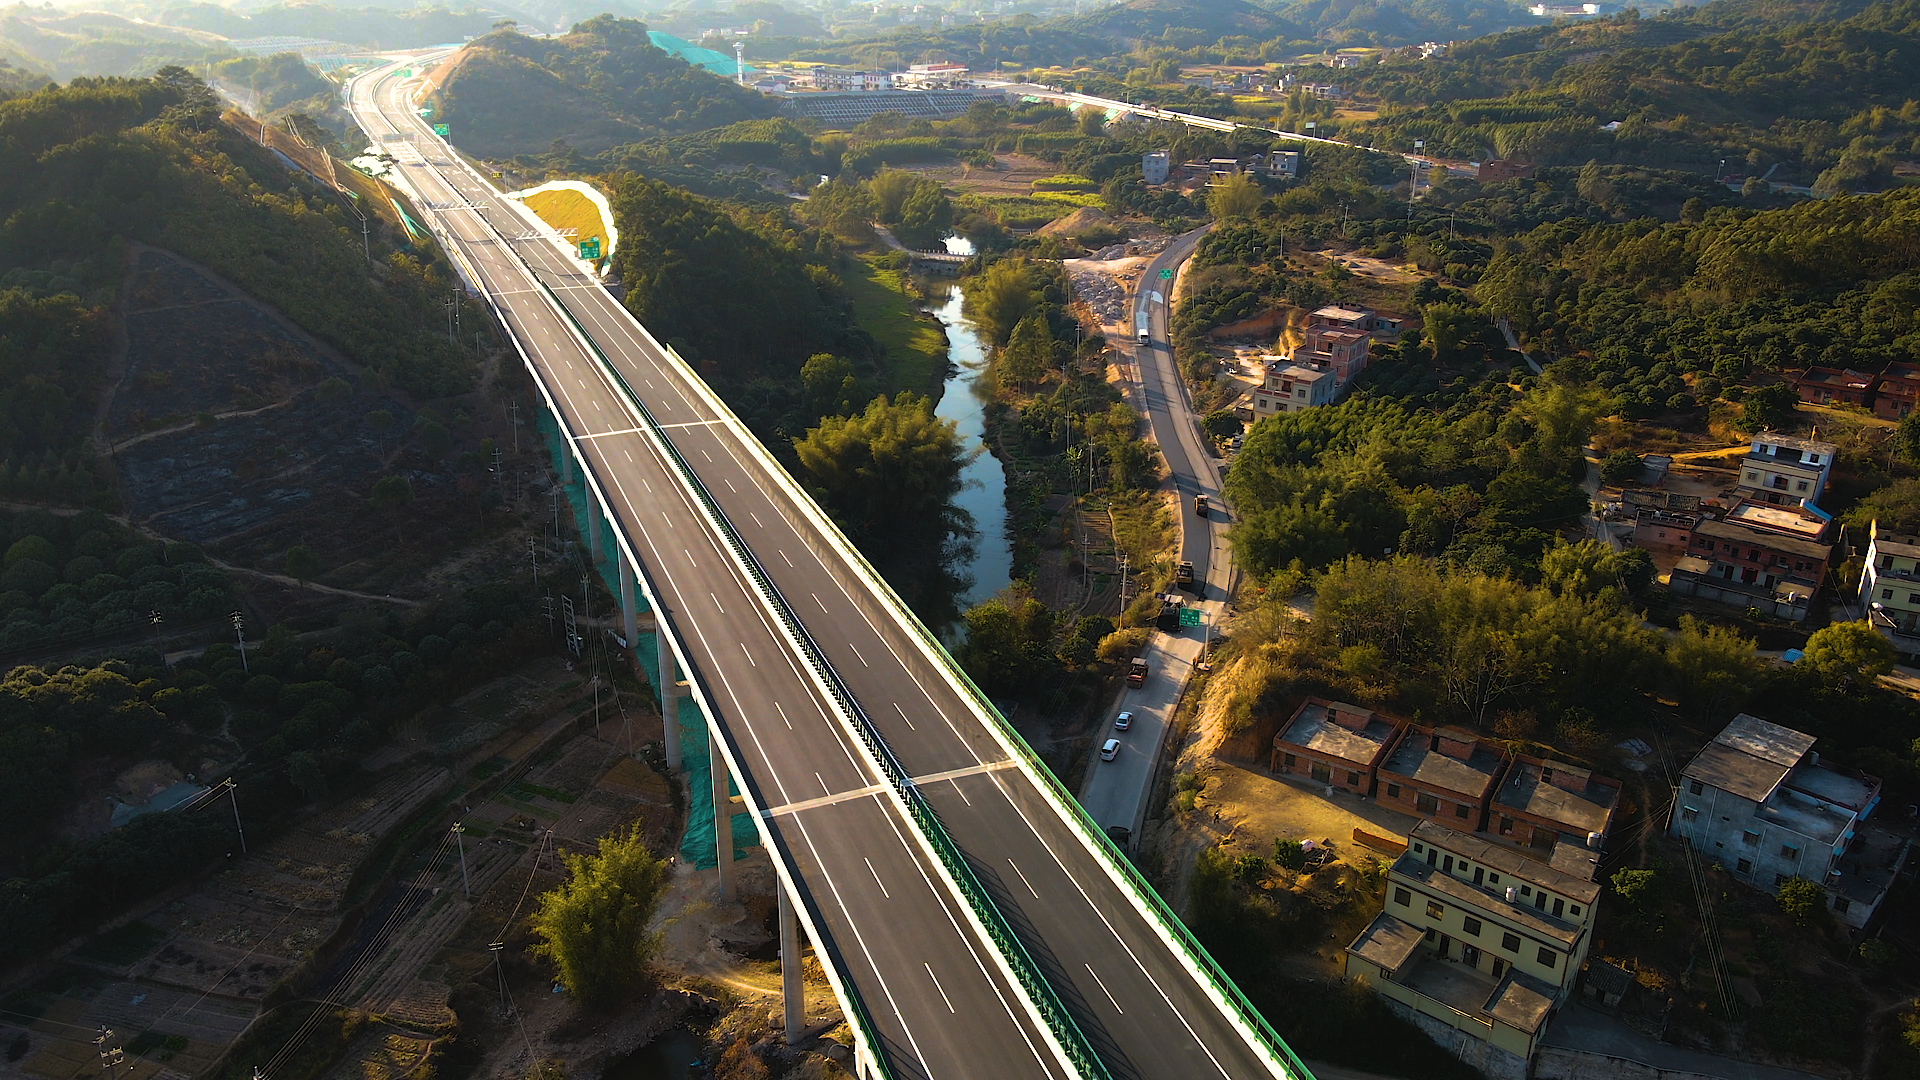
1750,757
1314,728
1815,819
1416,759
1507,860
1749,536
1387,942
1790,520
1578,802
1849,789
1794,442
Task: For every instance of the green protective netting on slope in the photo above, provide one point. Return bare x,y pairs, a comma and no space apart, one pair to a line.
717,62
697,844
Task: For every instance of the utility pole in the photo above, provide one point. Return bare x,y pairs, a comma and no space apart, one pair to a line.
365,241
533,557
240,632
513,410
1413,180
465,886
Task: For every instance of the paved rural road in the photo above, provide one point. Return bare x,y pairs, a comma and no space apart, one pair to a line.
1145,1004
1116,792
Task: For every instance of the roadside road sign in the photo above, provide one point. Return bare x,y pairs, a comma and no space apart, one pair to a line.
440,130
1189,616
1166,273
406,73
590,248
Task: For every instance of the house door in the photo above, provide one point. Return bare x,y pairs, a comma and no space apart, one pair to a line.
1446,945
1479,872
1470,955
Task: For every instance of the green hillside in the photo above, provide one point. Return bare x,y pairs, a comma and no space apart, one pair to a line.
1827,100
102,162
379,27
599,86
65,44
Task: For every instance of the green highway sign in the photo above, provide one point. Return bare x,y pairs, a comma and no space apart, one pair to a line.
426,110
1166,274
1189,616
440,130
405,73
590,248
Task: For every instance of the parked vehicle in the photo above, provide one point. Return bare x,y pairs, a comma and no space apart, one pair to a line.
1183,575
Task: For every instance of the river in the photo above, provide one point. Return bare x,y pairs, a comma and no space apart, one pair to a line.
990,563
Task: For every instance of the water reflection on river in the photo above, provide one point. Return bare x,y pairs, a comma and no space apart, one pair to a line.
990,562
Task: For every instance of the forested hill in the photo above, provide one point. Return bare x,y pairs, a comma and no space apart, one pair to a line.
601,85
386,27
101,162
1189,31
1828,99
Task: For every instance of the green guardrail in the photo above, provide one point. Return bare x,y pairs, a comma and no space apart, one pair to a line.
1038,988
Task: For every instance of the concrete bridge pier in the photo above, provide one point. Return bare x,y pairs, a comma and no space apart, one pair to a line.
793,990
566,457
592,528
722,817
671,690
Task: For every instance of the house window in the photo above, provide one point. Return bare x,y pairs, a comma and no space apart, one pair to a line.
1460,810
1436,910
1574,911
1744,866
1688,813
1750,837
1779,880
1419,850
1886,594
1695,788
1546,957
1841,904
1913,598
1526,890
1800,485
1493,879
1471,927
1353,779
1789,853
1393,792
1510,942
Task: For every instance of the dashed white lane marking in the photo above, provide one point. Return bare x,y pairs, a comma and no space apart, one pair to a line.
1104,990
876,878
937,986
904,716
750,659
1023,879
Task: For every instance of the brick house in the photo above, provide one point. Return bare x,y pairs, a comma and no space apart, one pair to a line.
1663,529
1899,391
1334,743
1540,802
1337,339
1443,774
1291,387
1744,565
1833,386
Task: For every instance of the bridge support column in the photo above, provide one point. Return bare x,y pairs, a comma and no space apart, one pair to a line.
669,696
566,458
592,528
793,991
722,817
629,618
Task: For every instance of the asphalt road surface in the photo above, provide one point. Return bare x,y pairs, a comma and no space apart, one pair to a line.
940,1002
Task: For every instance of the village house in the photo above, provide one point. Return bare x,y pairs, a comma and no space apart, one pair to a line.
1541,802
1746,564
1890,587
1898,393
1785,469
1478,944
1334,743
1443,774
1761,803
1833,386
1291,387
1338,339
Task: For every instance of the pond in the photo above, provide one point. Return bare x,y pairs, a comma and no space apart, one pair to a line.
673,1055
